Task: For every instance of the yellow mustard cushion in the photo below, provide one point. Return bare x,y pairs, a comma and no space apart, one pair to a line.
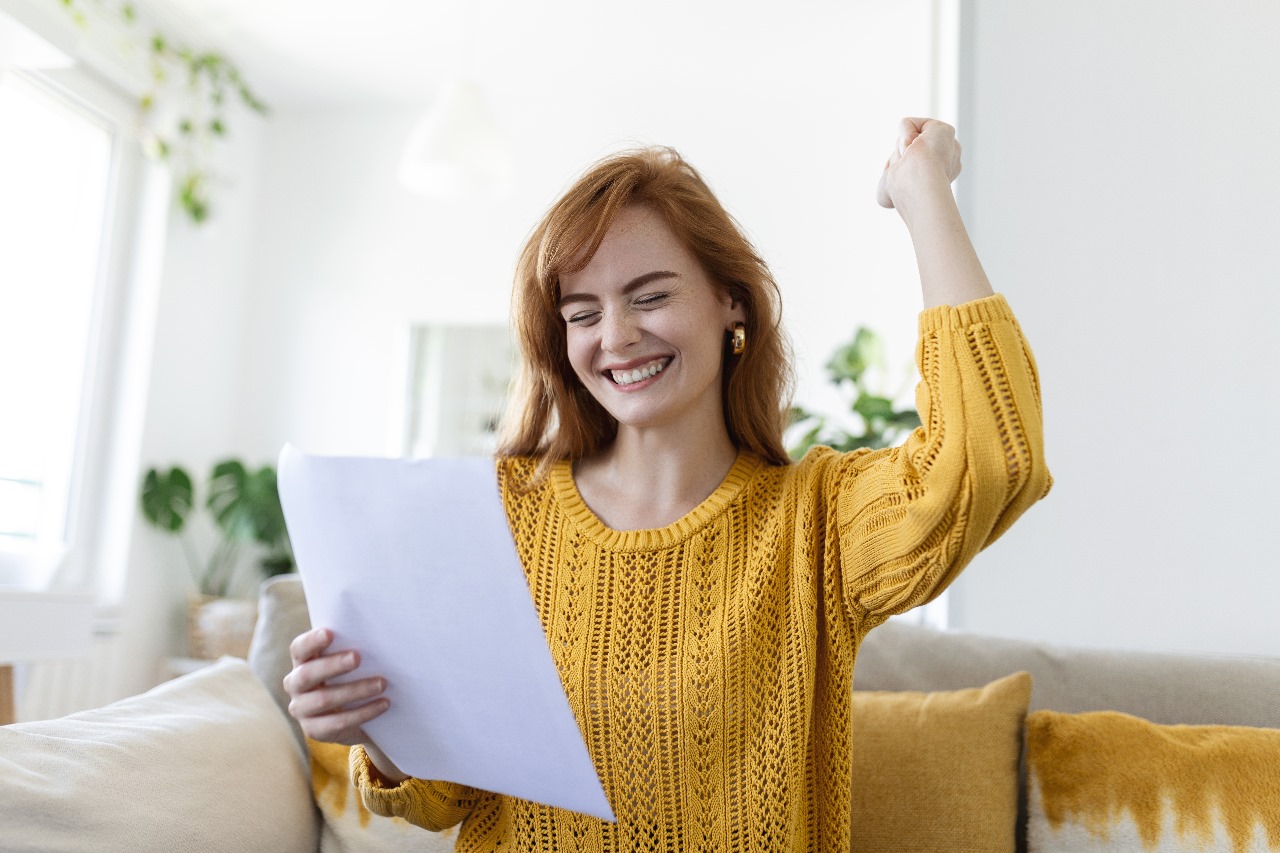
347,826
938,771
1107,781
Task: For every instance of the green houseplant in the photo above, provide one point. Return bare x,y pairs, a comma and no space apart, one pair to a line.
246,509
879,423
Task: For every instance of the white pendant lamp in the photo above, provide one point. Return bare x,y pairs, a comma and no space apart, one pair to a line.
456,149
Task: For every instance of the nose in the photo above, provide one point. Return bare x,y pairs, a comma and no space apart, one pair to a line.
618,331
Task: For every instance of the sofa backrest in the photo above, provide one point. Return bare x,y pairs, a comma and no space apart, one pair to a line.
1188,689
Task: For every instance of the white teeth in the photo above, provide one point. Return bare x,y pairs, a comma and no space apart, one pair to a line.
627,377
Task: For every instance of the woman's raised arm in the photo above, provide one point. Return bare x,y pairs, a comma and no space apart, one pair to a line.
917,182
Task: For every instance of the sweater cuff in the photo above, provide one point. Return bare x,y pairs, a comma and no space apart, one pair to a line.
363,773
988,309
429,804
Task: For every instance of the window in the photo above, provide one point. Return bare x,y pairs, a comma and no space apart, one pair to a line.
55,165
65,167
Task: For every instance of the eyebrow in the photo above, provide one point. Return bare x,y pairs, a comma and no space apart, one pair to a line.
633,285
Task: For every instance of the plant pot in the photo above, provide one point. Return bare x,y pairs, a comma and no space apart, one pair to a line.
220,626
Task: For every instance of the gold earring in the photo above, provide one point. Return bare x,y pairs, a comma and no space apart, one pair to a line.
739,338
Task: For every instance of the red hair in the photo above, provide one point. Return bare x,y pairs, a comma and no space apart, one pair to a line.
551,415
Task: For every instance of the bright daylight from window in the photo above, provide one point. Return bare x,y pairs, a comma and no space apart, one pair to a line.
55,166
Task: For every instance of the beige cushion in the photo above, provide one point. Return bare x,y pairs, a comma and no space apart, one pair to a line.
938,771
1106,781
282,609
203,763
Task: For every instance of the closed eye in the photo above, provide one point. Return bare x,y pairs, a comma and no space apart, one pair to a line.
652,300
582,318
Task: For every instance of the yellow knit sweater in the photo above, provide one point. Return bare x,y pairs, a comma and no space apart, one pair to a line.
710,662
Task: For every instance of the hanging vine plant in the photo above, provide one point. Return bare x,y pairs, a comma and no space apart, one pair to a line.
179,127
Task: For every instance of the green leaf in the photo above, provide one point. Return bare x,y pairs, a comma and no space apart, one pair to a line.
193,197
185,127
907,419
157,43
217,128
246,505
844,364
850,361
167,498
227,487
128,12
276,564
251,101
870,406
268,517
798,414
869,347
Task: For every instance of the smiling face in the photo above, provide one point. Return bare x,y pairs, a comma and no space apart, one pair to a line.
645,327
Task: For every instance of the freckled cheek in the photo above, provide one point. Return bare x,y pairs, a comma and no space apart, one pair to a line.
580,352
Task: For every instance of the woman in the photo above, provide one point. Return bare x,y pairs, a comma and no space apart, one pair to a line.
704,598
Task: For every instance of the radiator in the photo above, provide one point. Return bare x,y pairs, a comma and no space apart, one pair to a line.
56,688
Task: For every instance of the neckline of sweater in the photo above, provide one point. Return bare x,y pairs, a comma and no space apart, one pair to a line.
590,525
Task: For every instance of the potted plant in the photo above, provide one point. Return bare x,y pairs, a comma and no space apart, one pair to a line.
851,369
245,510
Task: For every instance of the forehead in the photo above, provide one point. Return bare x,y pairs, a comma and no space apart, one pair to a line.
638,241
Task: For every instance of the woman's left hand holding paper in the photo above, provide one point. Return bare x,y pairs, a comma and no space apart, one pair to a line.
336,712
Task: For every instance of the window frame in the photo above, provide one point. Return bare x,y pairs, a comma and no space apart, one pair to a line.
101,495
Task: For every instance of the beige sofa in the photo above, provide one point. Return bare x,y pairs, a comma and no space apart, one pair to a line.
207,763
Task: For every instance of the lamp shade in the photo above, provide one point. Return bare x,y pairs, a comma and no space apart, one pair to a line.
456,149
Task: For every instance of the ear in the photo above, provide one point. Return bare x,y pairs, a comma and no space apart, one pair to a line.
735,311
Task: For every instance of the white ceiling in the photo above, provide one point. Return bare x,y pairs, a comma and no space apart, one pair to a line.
296,52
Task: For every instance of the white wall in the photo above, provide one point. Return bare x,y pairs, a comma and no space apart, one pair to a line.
793,143
1121,186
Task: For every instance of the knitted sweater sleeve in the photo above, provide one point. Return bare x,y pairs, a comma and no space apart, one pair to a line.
910,518
428,804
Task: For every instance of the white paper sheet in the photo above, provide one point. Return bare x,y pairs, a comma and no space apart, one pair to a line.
412,563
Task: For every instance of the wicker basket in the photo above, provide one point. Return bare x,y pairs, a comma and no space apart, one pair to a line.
220,626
